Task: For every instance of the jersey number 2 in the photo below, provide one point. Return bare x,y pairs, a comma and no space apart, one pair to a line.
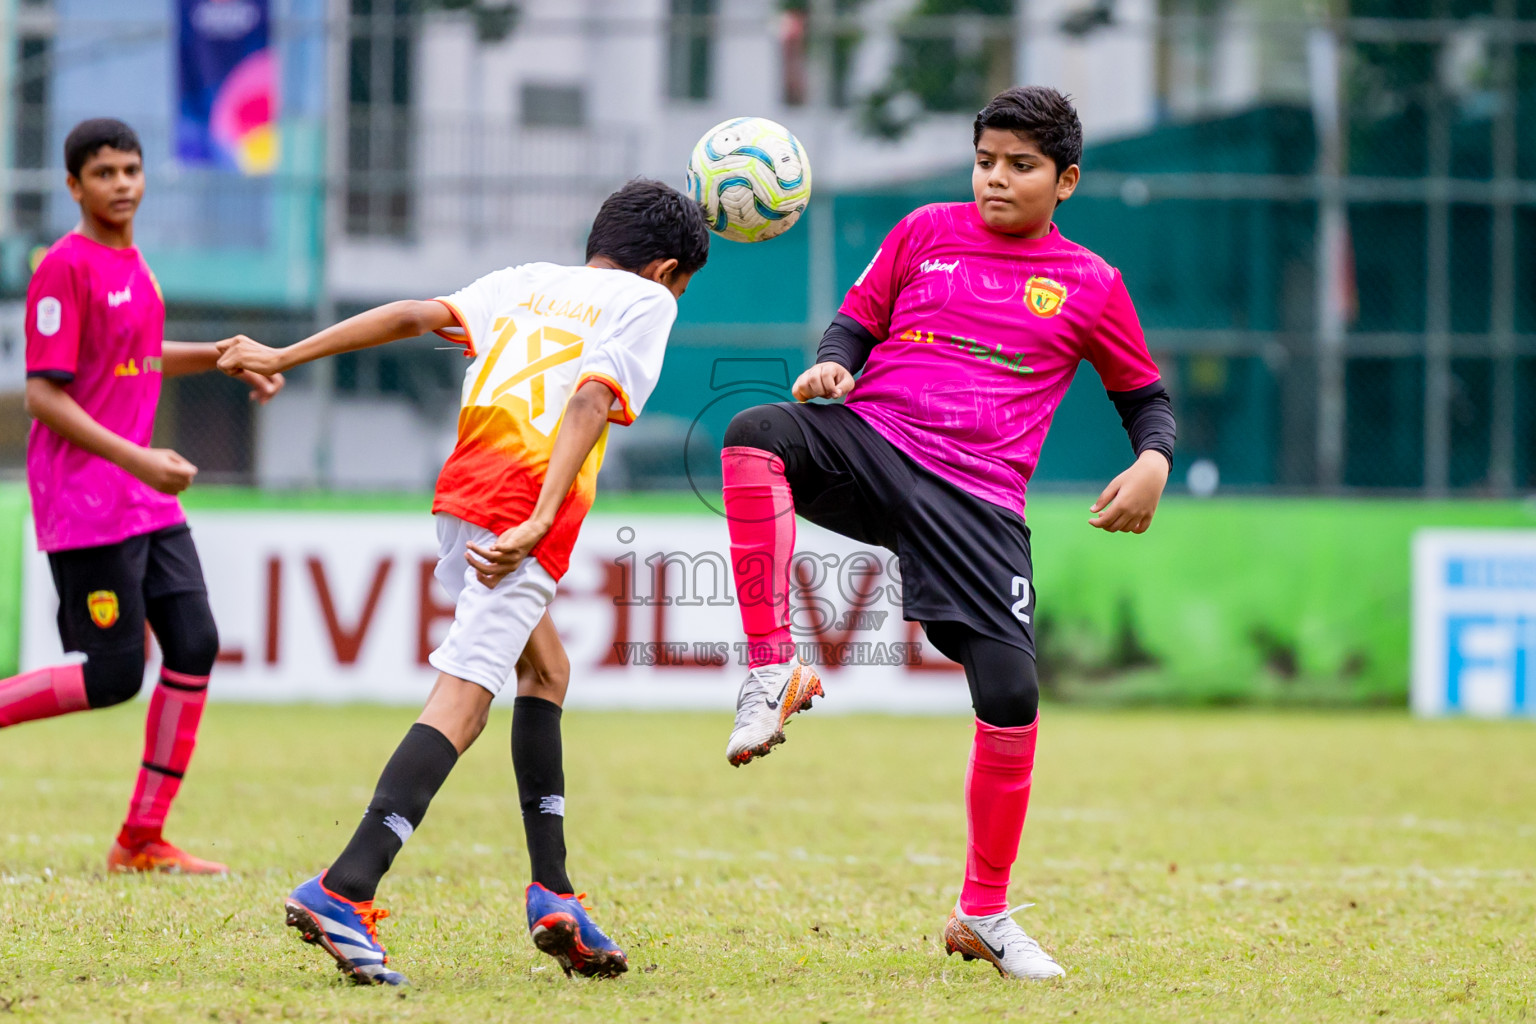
1020,607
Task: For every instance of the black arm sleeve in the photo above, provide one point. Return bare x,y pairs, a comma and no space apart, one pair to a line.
1147,416
847,343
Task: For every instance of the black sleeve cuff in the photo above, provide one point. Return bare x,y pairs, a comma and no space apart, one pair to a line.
1147,415
61,376
847,343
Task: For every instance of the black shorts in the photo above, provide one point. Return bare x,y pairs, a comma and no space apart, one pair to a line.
103,590
962,559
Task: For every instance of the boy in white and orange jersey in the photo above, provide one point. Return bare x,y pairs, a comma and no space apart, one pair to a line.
558,354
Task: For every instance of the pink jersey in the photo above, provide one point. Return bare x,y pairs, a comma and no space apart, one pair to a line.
95,323
979,336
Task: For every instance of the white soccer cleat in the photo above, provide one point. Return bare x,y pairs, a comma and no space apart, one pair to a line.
769,696
998,939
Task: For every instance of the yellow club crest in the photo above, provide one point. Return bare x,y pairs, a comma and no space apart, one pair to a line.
103,606
1043,296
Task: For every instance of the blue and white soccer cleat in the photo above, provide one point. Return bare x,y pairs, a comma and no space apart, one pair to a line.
346,930
560,927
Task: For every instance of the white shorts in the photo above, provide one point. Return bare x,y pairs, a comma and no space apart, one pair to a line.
490,627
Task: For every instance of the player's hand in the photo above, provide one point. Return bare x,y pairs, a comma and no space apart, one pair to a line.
824,380
492,562
163,469
1128,503
262,386
240,355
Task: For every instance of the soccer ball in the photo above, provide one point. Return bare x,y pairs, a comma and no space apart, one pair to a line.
751,176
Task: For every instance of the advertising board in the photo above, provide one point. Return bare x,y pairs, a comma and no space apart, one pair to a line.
1474,622
331,607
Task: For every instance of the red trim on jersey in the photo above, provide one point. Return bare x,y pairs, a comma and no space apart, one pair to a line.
623,416
468,341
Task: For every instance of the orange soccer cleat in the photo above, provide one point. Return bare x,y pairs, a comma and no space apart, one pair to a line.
159,855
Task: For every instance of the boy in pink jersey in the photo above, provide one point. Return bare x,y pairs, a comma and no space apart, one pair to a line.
103,501
968,325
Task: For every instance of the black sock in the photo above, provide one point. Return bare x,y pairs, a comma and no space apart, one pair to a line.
536,758
410,780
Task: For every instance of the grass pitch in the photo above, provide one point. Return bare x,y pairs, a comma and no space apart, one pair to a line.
1215,866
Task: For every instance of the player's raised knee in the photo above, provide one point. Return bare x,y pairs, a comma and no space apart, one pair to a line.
758,427
1012,698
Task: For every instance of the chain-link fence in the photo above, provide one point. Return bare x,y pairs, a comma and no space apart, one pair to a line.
1328,223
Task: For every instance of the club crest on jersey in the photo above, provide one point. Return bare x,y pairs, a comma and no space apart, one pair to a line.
103,607
1043,296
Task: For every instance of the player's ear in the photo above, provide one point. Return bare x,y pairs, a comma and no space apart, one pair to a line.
1066,183
75,191
663,272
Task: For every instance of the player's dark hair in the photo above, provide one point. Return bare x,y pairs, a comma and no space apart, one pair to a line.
647,220
87,138
1043,114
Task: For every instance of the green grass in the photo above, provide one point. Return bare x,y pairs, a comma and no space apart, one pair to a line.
1188,866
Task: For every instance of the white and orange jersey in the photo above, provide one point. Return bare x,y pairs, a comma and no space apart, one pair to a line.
535,333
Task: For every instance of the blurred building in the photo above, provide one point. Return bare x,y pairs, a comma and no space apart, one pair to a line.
1323,211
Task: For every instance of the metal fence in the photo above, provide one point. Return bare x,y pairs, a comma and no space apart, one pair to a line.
1329,225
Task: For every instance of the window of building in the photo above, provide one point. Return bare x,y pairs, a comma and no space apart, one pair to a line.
690,48
29,139
1187,56
380,125
795,44
553,106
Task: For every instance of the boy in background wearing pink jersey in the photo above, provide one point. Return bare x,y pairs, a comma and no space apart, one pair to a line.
968,325
103,501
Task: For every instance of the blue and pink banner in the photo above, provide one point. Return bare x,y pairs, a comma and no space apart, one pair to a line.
227,95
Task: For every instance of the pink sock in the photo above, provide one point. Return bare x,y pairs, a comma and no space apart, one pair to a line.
170,734
761,517
996,800
42,694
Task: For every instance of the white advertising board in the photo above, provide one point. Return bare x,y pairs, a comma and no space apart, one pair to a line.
1474,622
330,607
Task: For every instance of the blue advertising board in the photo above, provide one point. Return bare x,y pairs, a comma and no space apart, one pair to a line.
1474,622
230,218
226,77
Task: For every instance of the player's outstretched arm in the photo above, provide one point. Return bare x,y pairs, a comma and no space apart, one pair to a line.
585,416
180,358
393,321
1129,502
53,407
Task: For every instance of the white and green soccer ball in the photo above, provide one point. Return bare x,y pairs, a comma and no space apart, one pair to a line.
751,176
